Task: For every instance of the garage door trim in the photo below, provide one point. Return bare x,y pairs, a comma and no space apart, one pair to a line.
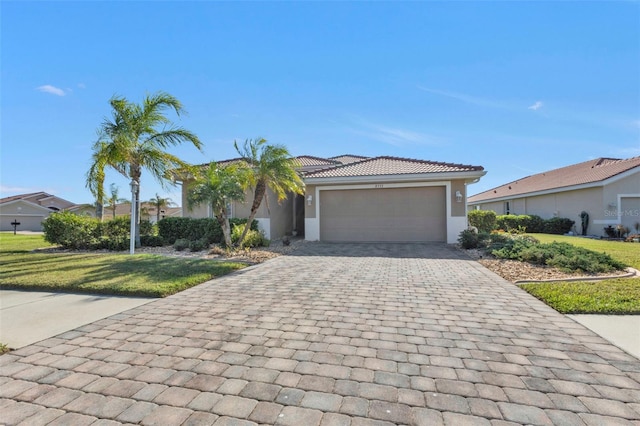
313,227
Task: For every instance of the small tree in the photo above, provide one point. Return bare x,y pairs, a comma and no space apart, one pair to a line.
271,166
219,186
159,203
113,200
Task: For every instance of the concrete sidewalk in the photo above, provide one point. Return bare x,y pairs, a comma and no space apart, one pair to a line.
621,330
27,317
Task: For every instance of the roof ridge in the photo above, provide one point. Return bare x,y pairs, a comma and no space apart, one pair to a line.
317,158
440,163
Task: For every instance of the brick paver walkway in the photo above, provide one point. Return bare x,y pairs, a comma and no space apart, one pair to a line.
334,335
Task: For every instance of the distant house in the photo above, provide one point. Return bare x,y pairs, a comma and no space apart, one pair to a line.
147,211
353,198
608,189
31,209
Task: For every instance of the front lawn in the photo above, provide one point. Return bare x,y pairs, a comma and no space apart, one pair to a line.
614,296
116,274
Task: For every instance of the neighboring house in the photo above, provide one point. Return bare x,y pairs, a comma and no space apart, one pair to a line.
147,211
31,209
359,199
608,189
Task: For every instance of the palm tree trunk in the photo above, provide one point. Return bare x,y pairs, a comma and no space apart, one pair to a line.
223,220
99,210
137,213
258,195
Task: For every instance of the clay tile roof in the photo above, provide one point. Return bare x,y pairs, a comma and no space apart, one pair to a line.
21,197
348,158
309,160
380,166
588,172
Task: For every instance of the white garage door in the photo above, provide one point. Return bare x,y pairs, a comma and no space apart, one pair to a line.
385,215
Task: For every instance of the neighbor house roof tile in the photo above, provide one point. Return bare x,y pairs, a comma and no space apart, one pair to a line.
588,172
22,197
348,158
309,160
381,166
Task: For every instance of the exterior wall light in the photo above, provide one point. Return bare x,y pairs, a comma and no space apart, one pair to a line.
309,200
458,196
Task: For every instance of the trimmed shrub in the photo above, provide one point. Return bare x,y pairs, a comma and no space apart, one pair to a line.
71,231
564,256
181,244
484,220
173,228
152,240
534,224
252,239
558,225
199,244
119,227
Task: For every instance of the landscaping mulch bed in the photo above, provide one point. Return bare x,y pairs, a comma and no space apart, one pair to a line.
513,270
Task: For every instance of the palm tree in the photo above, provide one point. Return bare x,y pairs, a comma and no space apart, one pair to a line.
113,200
135,138
159,203
271,167
219,186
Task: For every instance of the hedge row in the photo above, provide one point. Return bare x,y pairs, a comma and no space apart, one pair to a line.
185,228
83,232
487,221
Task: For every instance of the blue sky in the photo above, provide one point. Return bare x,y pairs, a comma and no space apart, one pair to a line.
516,87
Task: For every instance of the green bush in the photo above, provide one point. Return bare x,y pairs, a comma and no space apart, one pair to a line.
71,231
119,227
534,224
152,240
558,225
564,256
181,244
252,239
484,220
173,228
199,244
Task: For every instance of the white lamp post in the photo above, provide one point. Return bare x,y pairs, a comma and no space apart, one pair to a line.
132,233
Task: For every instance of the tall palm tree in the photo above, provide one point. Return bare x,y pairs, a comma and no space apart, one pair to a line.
114,200
218,186
136,138
160,203
271,167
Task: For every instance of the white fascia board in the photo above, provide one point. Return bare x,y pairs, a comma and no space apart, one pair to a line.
597,184
422,177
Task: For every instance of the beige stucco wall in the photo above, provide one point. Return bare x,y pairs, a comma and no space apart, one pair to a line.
457,209
567,204
29,216
310,209
198,211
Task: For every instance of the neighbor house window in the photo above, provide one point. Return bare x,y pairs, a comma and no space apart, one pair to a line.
507,207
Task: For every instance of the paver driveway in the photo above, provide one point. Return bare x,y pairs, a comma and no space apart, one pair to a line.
334,335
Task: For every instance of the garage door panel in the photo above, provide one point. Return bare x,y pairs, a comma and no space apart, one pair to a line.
395,214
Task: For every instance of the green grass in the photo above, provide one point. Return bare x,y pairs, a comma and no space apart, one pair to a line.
116,274
614,296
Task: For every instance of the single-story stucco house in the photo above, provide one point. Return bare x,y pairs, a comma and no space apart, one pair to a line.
608,189
360,199
31,209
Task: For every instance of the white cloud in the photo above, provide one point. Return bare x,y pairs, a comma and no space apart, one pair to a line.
391,135
536,106
466,98
47,88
